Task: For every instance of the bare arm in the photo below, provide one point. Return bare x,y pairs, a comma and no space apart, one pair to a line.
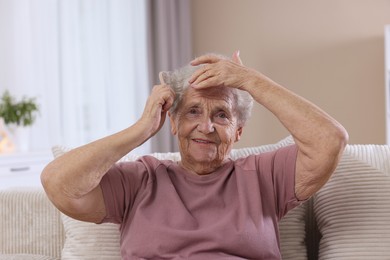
319,137
72,180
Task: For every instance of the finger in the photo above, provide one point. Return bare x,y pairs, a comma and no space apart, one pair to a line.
236,57
160,93
198,73
209,58
167,105
210,82
161,78
159,89
162,119
169,98
202,77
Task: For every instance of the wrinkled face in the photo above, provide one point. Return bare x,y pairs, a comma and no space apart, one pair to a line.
206,125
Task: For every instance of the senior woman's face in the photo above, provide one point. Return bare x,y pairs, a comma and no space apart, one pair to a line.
206,125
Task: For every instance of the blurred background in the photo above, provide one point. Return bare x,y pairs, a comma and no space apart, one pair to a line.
90,64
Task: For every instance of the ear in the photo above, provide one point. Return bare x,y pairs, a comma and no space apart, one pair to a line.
238,134
173,123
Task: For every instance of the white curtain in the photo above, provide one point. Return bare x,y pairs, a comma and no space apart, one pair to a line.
84,60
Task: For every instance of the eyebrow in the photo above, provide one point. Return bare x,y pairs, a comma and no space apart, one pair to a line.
197,104
217,108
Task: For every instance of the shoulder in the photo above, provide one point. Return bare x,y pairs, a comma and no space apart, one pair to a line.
136,173
143,168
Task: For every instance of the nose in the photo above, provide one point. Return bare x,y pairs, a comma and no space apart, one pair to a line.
205,126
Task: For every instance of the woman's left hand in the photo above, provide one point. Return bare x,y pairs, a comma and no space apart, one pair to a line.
217,71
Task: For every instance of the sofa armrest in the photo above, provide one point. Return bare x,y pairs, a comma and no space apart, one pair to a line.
29,224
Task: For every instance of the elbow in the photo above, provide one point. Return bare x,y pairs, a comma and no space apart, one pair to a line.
330,148
334,146
343,135
60,182
339,139
53,185
53,182
45,177
48,181
50,185
315,171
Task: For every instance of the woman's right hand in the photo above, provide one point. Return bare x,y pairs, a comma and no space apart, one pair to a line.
156,108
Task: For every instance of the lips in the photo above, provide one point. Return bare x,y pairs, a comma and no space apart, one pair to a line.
202,141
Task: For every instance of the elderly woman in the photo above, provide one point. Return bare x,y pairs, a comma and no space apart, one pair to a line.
206,206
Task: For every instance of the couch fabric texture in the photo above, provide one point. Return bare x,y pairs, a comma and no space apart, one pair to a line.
353,208
30,226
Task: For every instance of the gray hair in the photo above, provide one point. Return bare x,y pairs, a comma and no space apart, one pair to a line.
178,81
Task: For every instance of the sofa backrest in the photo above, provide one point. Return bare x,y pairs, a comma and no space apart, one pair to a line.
352,210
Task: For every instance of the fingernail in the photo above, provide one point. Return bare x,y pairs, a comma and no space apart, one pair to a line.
238,52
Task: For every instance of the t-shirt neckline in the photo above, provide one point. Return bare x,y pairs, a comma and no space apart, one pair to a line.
203,178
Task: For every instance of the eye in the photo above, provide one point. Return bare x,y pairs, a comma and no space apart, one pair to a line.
222,115
193,111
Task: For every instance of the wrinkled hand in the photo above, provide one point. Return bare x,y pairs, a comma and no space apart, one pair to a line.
156,108
220,72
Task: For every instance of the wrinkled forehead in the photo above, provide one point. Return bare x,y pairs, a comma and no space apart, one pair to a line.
213,94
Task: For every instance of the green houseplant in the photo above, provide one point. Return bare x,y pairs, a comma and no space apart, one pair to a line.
22,113
15,119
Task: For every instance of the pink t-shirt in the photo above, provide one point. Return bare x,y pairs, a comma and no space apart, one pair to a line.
166,212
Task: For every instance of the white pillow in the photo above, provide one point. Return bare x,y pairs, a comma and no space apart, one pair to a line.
292,226
353,208
89,241
292,234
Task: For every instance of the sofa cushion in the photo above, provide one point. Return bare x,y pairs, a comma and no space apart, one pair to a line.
89,241
352,209
292,226
29,224
292,234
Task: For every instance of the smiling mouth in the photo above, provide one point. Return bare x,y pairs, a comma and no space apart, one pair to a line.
202,141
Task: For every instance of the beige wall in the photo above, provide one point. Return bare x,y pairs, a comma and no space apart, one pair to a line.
330,52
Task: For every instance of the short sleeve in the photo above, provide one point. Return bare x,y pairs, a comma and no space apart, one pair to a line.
279,169
120,187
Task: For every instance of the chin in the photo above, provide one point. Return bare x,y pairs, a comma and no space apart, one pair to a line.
204,158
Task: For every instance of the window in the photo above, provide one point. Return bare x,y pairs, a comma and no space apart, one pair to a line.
84,60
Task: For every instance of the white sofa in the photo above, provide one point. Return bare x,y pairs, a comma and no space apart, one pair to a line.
349,218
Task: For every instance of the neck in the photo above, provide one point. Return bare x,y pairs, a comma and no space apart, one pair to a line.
201,168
